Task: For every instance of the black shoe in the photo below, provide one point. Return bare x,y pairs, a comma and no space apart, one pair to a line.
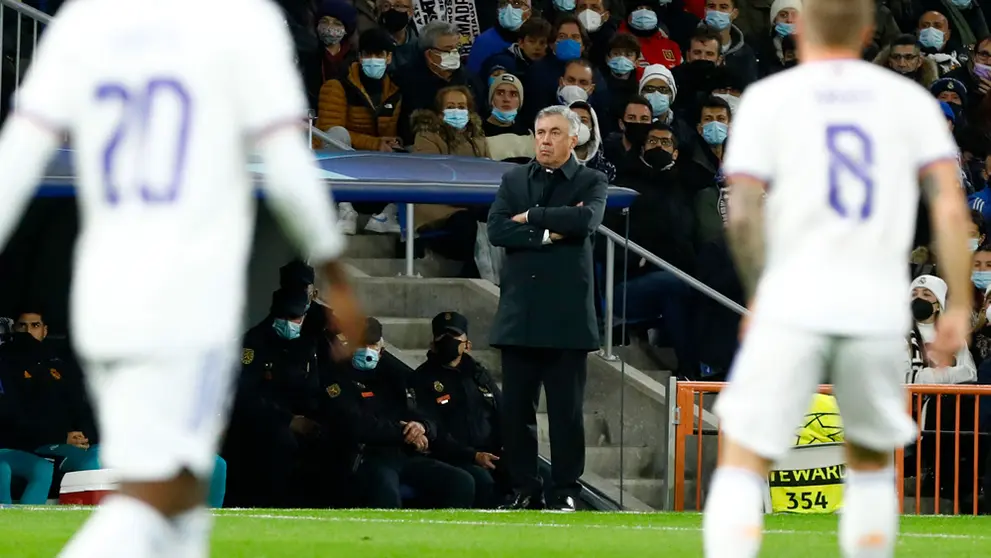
525,501
564,504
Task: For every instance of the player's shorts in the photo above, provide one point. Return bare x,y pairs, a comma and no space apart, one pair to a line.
163,414
777,371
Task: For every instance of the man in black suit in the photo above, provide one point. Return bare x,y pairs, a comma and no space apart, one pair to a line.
545,215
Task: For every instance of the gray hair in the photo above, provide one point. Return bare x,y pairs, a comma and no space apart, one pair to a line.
435,30
574,122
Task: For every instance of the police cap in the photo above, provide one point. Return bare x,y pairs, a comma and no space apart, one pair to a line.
449,322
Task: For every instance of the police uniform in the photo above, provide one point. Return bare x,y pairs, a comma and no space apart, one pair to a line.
464,401
279,380
368,407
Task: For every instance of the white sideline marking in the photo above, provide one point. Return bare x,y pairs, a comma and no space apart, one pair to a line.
247,513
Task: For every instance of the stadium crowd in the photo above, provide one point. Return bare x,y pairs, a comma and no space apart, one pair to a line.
655,83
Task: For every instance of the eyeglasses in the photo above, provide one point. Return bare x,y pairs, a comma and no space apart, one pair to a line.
656,89
982,55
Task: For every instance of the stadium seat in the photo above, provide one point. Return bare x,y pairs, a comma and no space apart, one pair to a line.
806,457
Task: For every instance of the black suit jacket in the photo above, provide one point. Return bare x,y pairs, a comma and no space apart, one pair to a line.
547,294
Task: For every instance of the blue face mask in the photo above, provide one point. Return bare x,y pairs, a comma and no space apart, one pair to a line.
286,329
784,29
564,5
714,133
981,279
930,37
621,64
456,118
717,20
567,50
963,4
373,67
365,359
504,116
510,18
659,103
643,20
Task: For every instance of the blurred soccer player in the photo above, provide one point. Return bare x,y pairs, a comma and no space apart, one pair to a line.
840,208
162,113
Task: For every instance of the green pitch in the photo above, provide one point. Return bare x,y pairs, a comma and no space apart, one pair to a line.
40,532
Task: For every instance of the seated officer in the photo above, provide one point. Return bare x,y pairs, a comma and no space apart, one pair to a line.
461,397
276,399
386,437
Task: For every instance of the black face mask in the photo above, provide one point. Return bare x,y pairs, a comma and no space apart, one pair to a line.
394,21
446,349
658,159
636,132
922,309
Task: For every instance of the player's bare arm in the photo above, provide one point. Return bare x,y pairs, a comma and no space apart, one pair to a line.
25,148
343,303
940,183
746,230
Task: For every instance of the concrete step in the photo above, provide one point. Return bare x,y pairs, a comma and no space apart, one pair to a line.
371,246
391,267
596,429
650,491
413,334
605,460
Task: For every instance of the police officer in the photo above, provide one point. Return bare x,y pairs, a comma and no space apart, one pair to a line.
460,395
385,438
277,396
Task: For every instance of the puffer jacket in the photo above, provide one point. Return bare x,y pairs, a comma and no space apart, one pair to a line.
928,72
345,103
433,136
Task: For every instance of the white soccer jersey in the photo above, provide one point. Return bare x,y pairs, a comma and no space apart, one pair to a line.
840,145
162,107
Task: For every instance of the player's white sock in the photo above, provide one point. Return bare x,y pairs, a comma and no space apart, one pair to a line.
734,517
869,518
122,527
192,534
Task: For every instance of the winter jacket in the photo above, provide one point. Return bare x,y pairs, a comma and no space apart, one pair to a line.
740,57
433,136
492,41
924,76
345,103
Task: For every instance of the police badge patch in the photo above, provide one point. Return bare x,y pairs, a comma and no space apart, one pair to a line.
247,356
333,390
438,387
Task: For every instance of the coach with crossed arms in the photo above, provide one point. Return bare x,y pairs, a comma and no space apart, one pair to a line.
545,216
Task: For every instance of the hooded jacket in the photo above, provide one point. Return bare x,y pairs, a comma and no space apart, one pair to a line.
595,157
740,57
925,75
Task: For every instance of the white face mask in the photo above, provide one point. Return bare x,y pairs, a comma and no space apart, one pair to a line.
450,60
584,134
570,93
591,20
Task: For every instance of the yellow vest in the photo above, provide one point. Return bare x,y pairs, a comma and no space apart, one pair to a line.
812,491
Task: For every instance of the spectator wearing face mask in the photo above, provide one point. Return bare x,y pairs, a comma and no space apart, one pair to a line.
679,23
275,405
462,399
511,16
565,76
661,221
657,85
508,138
904,56
530,46
437,67
588,152
975,74
701,171
600,24
656,46
622,148
703,57
953,92
980,344
784,17
336,21
980,276
738,55
385,436
621,70
395,17
965,17
935,37
928,300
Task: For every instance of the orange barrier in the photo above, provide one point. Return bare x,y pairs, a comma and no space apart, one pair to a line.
925,460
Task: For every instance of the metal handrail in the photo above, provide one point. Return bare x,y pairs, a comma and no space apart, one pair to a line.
33,13
37,17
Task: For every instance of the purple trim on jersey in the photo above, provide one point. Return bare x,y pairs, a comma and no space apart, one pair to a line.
946,158
41,121
275,126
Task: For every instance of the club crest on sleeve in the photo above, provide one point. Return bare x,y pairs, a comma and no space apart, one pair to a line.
247,356
438,387
333,390
55,373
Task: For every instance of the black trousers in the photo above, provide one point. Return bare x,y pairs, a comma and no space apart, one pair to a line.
562,373
436,484
491,487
